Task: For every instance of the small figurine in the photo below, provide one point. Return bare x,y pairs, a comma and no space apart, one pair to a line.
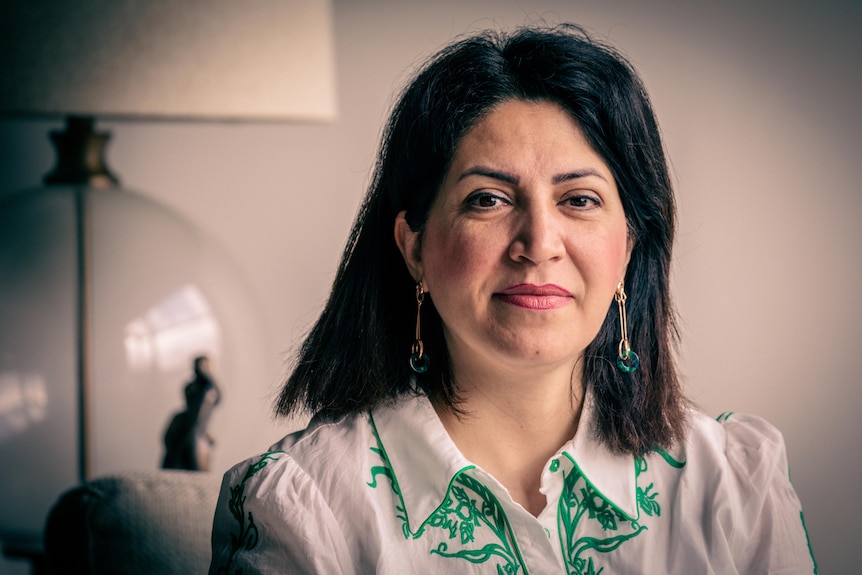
187,442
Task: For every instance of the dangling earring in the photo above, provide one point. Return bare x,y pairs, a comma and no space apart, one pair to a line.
627,360
419,360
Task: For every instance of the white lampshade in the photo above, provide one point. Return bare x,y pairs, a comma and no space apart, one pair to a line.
267,60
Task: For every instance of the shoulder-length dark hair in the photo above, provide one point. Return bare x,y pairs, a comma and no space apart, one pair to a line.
356,355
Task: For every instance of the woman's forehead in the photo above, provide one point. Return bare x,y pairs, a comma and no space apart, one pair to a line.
519,133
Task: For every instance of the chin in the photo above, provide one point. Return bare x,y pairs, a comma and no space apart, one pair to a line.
533,355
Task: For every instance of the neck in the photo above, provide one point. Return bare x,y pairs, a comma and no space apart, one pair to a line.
511,424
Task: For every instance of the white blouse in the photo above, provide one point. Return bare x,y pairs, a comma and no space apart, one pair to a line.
390,493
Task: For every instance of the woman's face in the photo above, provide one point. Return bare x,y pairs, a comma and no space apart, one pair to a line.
525,242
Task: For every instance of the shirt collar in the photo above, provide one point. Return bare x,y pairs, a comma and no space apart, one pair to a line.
424,459
422,456
612,475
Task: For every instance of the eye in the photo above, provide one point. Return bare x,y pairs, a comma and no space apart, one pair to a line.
485,201
581,201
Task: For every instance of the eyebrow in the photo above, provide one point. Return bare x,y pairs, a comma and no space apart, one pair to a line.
490,173
586,172
512,179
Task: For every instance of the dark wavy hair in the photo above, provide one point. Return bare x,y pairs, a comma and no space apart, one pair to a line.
356,355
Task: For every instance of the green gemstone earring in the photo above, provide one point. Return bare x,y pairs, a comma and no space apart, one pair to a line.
419,360
627,360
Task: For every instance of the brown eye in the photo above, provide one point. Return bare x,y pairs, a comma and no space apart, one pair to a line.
485,200
582,202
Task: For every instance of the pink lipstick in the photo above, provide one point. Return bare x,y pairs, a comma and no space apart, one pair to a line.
548,296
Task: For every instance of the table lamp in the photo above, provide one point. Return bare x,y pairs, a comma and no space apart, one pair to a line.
106,296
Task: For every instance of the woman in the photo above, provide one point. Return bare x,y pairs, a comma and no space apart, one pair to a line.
493,375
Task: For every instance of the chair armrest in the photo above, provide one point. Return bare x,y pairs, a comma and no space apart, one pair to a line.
135,522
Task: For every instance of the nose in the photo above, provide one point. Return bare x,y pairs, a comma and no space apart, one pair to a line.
537,236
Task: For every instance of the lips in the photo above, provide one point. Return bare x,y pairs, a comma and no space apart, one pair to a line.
538,297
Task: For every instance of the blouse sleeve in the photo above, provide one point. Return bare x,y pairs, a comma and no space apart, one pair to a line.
771,537
271,518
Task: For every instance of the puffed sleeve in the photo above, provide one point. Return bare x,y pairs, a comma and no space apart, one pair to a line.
771,537
271,518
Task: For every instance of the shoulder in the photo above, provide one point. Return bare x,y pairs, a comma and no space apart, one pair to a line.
740,465
753,443
735,460
746,444
271,506
311,455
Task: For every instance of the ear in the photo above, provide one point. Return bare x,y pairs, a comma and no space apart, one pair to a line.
409,245
630,244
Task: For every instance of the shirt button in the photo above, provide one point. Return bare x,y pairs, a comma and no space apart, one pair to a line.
555,465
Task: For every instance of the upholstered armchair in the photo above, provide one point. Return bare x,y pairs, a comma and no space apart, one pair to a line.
134,523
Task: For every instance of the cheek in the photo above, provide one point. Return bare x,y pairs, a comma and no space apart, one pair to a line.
607,257
453,259
447,266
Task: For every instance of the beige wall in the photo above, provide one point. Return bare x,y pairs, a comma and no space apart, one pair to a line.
759,106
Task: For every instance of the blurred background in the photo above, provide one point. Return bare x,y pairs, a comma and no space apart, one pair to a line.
758,103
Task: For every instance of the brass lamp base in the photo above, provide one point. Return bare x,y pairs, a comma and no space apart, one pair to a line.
80,155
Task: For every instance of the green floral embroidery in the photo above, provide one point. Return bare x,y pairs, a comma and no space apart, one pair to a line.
724,416
647,502
670,460
580,498
460,512
248,535
386,471
458,515
808,540
467,506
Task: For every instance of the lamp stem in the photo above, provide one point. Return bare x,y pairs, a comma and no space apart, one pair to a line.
80,155
81,164
84,330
